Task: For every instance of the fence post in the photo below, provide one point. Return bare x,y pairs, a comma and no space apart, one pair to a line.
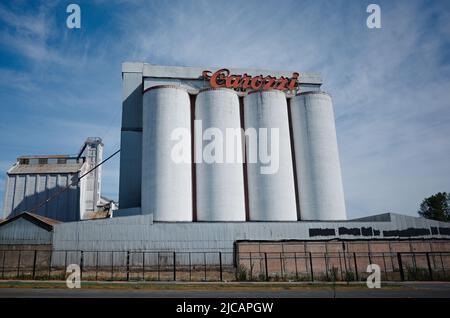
281,267
345,265
190,267
159,276
50,264
112,265
311,266
356,266
3,264
65,264
204,262
81,264
296,268
430,271
400,266
385,267
251,267
174,266
128,265
96,266
340,266
220,265
265,263
34,264
143,266
18,263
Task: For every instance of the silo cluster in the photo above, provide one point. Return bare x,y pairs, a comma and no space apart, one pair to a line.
306,184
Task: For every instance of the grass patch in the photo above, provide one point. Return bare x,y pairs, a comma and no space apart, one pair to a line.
244,286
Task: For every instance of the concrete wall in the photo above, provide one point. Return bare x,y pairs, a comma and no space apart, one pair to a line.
131,140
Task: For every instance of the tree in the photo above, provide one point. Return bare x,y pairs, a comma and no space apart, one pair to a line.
436,207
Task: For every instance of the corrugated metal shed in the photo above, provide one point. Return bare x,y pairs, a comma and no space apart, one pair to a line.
27,228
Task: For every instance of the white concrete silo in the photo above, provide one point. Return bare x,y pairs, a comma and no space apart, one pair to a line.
166,184
319,178
219,185
271,196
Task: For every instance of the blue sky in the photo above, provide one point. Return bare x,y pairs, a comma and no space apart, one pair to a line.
390,86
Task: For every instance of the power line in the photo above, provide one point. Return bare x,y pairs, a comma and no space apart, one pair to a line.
71,184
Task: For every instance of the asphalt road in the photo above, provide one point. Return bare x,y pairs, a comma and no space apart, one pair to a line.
420,290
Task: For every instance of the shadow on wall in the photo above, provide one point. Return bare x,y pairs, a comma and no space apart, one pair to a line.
65,207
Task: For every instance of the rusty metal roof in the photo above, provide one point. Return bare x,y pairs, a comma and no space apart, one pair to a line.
45,168
39,220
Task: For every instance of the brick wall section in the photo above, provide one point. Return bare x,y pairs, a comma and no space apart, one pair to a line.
295,258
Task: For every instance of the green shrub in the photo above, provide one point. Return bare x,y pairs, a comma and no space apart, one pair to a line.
241,273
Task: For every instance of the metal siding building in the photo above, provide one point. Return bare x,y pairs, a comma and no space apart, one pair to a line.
49,185
28,185
139,233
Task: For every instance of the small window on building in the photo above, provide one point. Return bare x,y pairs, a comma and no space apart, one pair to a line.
43,161
62,161
24,161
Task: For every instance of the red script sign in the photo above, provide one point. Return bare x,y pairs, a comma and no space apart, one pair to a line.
222,78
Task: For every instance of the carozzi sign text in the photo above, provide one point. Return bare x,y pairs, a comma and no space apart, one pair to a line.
223,78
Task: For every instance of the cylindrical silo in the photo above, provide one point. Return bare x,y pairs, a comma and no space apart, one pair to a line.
271,190
219,182
317,159
166,179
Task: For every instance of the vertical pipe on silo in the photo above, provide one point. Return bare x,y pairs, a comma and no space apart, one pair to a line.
271,196
192,99
317,159
166,184
244,164
294,160
220,186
